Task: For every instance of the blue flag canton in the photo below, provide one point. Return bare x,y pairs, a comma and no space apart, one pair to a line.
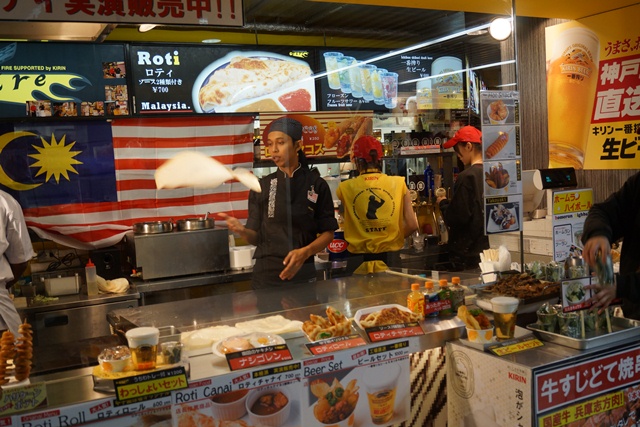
46,164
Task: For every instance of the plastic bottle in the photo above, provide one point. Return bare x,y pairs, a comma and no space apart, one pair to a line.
445,295
430,297
415,299
428,180
457,294
92,278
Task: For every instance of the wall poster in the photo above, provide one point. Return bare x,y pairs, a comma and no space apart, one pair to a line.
593,96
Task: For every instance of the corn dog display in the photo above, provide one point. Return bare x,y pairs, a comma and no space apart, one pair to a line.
497,145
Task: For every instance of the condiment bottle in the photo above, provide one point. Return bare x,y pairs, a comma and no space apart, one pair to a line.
430,297
445,295
92,278
415,299
457,294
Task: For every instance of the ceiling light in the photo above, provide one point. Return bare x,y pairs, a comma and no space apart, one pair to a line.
143,28
500,28
211,41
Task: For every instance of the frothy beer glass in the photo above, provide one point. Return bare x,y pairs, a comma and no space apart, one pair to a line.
572,78
143,343
504,316
381,383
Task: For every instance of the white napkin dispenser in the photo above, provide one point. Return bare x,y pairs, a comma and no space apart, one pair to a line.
58,286
241,257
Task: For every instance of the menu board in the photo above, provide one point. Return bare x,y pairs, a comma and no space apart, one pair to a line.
501,155
224,79
62,80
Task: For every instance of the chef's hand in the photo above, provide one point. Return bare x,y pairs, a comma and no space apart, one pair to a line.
603,296
593,246
236,226
293,262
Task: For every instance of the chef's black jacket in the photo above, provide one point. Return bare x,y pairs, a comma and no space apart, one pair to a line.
288,214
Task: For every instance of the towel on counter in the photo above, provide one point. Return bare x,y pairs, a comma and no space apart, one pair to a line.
115,286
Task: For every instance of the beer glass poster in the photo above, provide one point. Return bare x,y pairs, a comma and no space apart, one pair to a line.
593,92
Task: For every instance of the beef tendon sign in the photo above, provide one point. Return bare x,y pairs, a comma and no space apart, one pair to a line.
191,169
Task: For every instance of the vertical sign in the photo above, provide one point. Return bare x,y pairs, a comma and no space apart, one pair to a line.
500,111
570,209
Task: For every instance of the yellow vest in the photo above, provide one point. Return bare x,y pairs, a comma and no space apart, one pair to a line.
373,212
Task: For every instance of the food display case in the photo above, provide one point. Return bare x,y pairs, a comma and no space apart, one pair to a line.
356,368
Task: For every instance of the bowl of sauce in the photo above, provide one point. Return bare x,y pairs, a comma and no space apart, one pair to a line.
269,406
229,406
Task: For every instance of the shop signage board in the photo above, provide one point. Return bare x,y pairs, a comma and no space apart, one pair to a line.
228,13
592,83
569,212
601,389
40,80
354,79
500,115
221,79
324,134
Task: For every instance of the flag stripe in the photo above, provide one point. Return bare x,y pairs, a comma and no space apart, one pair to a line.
140,146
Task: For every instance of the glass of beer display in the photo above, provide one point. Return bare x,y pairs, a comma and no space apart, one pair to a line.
331,63
381,383
143,343
572,77
504,316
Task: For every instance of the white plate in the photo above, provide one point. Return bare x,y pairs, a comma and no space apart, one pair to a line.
307,84
492,227
272,338
519,332
364,312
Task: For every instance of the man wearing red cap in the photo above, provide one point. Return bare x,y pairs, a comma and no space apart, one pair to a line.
463,214
377,209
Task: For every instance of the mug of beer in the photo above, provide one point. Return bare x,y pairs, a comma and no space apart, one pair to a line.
572,78
447,82
381,384
143,343
504,316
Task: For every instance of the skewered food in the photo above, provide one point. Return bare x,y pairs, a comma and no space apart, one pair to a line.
24,352
497,145
523,286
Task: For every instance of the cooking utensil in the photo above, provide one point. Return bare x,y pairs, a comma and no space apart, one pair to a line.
190,224
152,227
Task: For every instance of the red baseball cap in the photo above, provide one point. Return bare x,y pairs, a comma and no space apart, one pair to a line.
363,146
465,134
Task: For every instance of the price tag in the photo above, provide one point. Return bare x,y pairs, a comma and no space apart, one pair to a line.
150,386
517,346
23,398
335,344
392,332
258,356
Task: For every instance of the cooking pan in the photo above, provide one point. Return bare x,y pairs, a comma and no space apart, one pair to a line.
152,227
190,224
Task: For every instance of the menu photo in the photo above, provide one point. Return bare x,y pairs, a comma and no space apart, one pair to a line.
254,81
503,214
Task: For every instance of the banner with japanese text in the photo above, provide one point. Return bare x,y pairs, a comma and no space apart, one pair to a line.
593,91
228,13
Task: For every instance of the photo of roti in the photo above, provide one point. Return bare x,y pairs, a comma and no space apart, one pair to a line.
254,81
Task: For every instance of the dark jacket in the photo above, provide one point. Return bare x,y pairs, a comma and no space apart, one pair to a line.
464,215
288,214
617,218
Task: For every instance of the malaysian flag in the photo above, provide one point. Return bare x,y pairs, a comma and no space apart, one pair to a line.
84,184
